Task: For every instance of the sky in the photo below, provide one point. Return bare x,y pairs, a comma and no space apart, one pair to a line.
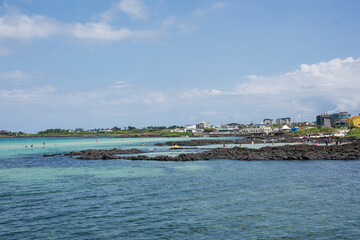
94,64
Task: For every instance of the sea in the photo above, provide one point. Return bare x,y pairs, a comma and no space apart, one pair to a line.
61,197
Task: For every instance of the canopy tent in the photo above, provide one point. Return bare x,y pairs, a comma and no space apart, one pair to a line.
285,127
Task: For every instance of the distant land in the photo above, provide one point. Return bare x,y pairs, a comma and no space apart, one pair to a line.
297,129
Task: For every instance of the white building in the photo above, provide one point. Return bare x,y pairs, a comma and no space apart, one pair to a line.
204,125
190,128
175,130
282,121
258,129
268,121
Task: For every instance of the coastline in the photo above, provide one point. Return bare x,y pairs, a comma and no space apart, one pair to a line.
125,136
294,150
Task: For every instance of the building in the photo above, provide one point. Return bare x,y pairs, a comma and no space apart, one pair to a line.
210,130
190,128
282,121
258,128
285,128
339,119
4,132
268,121
204,125
323,120
227,130
353,121
334,120
175,130
231,125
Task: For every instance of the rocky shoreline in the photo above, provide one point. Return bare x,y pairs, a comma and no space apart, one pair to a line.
253,139
299,151
349,151
98,154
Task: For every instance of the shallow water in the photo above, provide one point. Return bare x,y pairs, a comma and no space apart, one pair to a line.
64,198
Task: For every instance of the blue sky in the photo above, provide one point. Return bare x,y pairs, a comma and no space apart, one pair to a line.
112,63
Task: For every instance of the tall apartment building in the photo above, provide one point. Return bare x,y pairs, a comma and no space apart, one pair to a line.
268,121
282,121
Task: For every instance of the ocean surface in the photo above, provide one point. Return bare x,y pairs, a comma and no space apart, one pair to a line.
65,198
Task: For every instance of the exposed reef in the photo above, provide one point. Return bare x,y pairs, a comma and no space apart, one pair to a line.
289,152
101,154
300,151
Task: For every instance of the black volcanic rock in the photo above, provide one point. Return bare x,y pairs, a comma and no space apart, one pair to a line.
288,152
200,142
101,154
51,155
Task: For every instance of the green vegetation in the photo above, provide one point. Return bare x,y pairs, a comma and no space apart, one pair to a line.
354,132
276,126
314,131
115,131
53,131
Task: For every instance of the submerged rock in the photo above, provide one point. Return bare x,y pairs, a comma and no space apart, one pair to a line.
51,155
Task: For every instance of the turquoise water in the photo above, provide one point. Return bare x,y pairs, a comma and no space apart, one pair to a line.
64,198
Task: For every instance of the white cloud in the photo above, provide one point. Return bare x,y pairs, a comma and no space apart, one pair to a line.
168,21
135,8
105,32
195,93
5,51
14,25
209,113
15,75
21,96
154,97
202,11
335,83
184,28
119,85
310,90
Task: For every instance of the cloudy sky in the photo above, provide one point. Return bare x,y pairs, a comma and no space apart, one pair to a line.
79,63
